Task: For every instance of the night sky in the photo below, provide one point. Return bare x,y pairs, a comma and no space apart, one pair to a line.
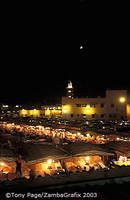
39,52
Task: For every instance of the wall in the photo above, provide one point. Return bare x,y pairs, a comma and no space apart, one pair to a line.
128,112
107,108
31,113
101,108
114,105
49,112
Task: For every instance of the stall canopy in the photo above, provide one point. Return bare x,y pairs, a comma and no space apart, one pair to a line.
122,148
87,149
7,155
36,153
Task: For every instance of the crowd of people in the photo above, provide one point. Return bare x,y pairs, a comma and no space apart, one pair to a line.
22,133
26,132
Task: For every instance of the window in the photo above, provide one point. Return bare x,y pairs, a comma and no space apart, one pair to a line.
42,114
112,105
110,115
83,115
72,115
83,105
93,115
122,111
102,115
102,105
92,105
78,105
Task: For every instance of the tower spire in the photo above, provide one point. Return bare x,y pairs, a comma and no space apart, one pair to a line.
70,90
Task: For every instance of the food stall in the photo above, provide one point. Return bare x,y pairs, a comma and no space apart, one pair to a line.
7,164
122,151
86,156
42,159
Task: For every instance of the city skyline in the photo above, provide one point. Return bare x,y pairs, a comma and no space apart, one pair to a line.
53,90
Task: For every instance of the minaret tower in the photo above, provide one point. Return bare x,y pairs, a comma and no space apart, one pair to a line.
70,90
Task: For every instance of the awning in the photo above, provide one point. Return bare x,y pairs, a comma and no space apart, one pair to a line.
7,155
87,149
36,153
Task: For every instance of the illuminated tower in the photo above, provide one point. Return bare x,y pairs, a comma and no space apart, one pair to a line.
70,90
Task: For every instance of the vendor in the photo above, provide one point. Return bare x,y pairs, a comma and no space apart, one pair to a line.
19,162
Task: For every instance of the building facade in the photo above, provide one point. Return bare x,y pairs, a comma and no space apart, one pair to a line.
113,106
48,111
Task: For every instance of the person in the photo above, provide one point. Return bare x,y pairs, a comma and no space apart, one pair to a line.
18,168
91,169
63,164
9,144
96,167
84,169
56,141
87,167
32,174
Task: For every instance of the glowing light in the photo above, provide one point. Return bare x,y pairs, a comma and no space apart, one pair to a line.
81,47
2,164
34,112
128,110
5,106
87,158
122,99
88,135
88,106
88,111
120,163
50,161
47,112
23,112
70,85
66,108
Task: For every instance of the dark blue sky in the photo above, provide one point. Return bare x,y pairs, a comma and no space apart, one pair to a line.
39,53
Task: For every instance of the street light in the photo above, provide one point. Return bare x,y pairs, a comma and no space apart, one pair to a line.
122,99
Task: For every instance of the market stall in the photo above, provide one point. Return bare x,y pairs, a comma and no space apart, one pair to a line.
86,156
42,159
7,164
122,151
